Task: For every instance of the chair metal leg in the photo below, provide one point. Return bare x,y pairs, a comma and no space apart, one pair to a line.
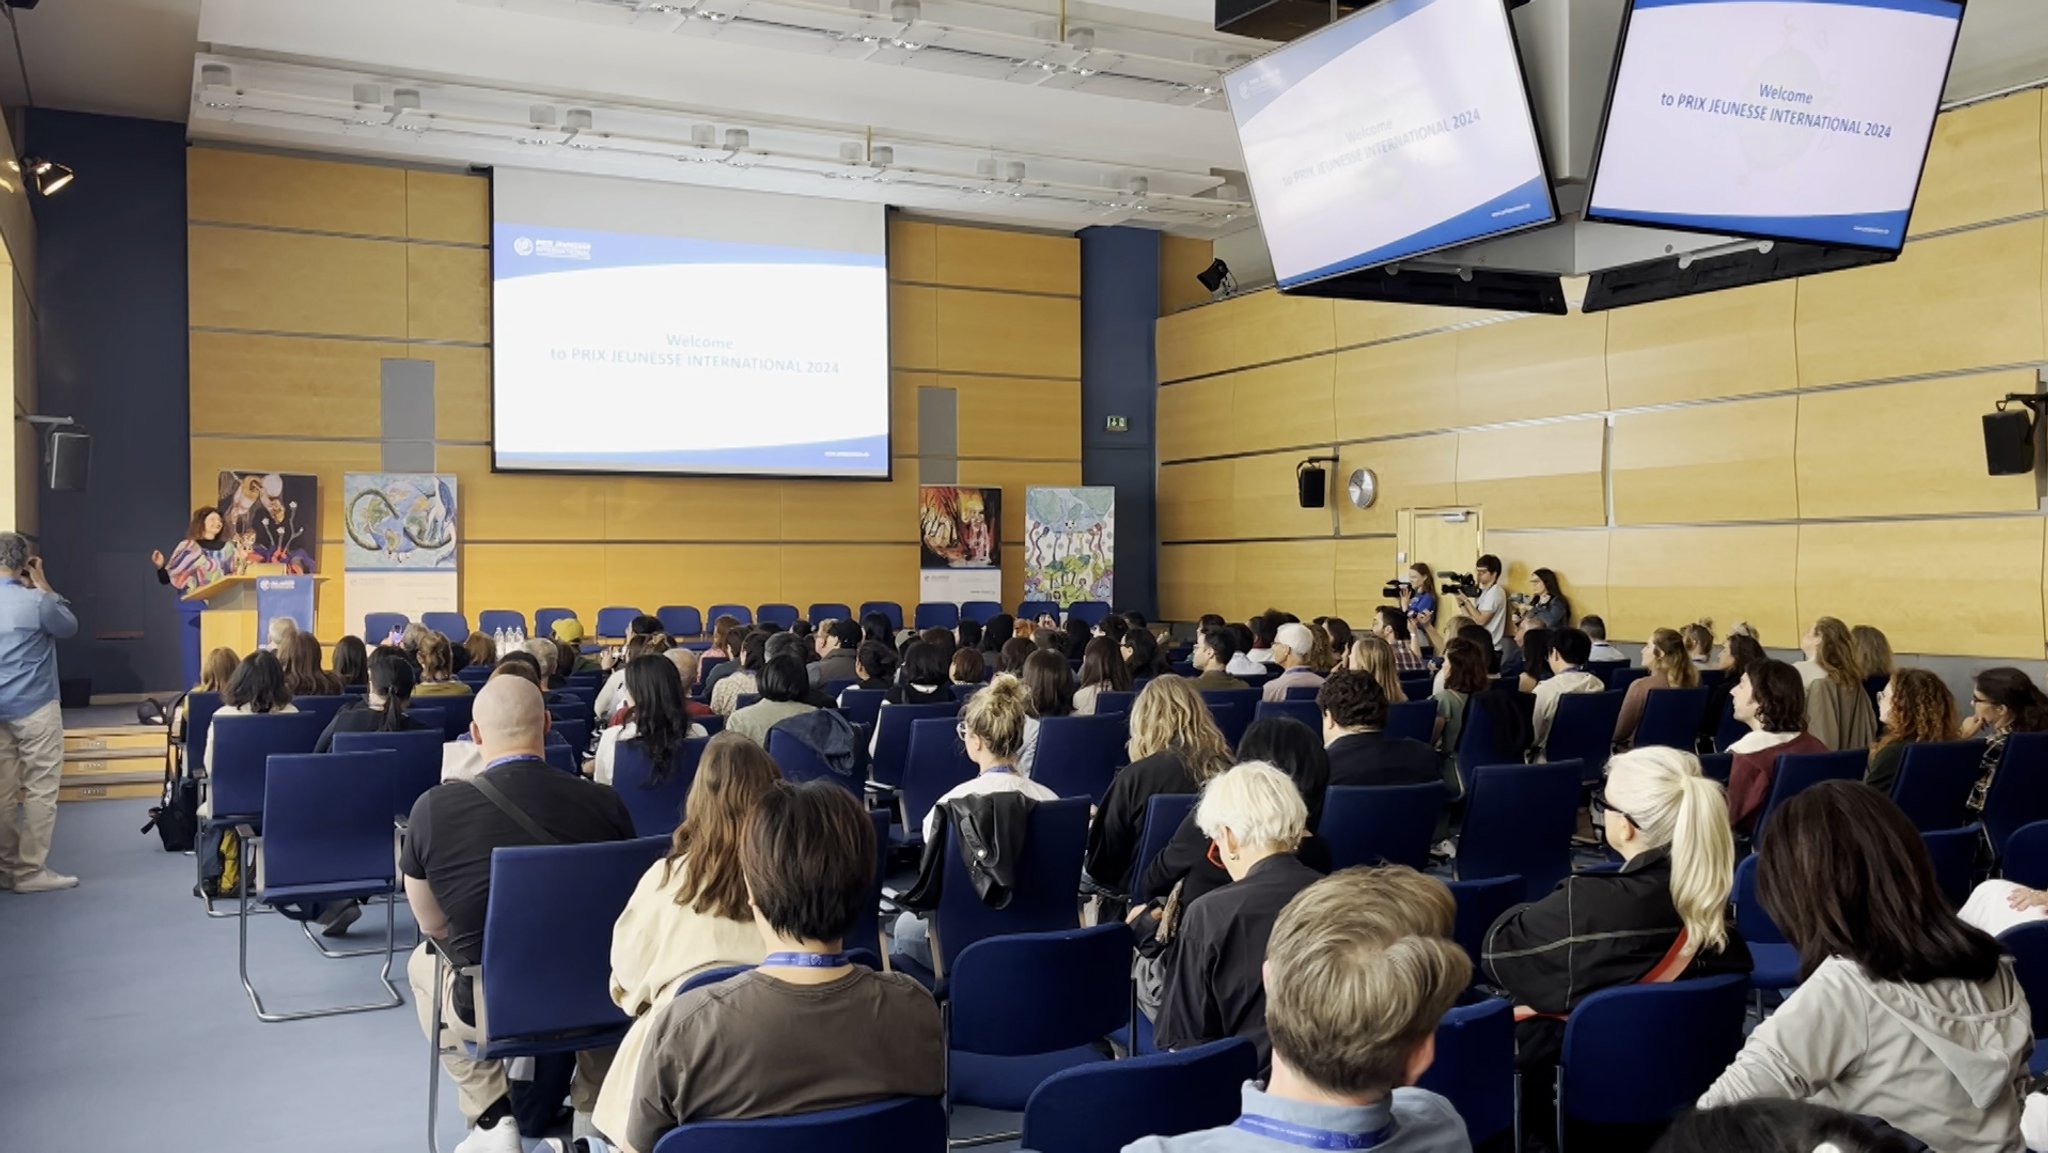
434,1060
262,1014
366,951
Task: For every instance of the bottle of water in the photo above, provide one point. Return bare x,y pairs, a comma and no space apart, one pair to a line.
519,636
498,641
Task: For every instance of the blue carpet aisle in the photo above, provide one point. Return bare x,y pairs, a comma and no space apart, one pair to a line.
124,1027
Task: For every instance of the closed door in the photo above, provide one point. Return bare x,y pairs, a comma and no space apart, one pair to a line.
1446,539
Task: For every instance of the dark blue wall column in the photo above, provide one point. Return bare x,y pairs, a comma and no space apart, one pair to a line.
111,351
1120,377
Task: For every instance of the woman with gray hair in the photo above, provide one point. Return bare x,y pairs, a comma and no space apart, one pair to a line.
1213,985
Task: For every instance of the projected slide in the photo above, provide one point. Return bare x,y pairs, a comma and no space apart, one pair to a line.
1403,129
1795,119
700,331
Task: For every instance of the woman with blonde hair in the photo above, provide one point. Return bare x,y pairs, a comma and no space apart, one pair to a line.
1670,668
1375,657
1663,916
1839,712
690,911
1175,748
437,669
1915,708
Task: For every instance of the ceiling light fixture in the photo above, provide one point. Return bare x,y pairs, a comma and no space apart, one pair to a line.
50,177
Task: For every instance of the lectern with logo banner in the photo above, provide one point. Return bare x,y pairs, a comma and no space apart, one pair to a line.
238,609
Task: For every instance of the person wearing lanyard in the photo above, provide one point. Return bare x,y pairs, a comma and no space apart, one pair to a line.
1359,970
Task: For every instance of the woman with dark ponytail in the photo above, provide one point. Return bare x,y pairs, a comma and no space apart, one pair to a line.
383,709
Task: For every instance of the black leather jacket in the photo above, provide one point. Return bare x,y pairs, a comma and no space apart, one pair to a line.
990,829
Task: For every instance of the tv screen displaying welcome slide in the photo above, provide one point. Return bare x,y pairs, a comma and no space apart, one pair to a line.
660,328
1401,129
1804,120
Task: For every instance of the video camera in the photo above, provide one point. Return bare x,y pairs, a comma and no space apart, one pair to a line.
1464,584
1393,589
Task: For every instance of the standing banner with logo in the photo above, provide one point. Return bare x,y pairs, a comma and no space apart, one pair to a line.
960,544
399,550
283,596
1070,544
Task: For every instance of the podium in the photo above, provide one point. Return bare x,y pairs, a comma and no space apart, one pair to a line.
235,612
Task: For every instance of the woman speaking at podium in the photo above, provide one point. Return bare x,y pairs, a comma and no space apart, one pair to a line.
206,555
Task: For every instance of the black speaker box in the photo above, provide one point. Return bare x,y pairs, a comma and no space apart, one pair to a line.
1314,484
2008,443
70,461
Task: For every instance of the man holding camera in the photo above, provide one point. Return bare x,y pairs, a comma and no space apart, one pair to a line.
1490,611
33,618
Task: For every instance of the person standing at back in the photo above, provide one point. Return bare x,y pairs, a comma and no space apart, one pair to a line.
33,618
1490,611
519,799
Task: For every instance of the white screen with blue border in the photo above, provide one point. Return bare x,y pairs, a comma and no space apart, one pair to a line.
646,328
1402,129
1805,120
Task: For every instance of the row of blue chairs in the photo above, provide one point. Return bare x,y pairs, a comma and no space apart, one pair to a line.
687,621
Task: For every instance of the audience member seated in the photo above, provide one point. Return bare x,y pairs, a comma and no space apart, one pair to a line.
1904,1012
1547,608
967,668
1663,917
995,632
1050,682
482,650
1361,754
923,680
1464,681
807,1030
1570,649
382,710
725,630
718,671
567,633
1359,971
1049,640
553,660
1772,702
656,720
351,662
282,628
690,912
1914,707
1213,650
1391,626
640,642
1337,631
783,688
1838,709
940,639
1772,1126
1739,655
1294,646
837,645
1372,655
1185,861
1699,642
1604,653
725,691
1141,654
687,664
1528,658
437,669
299,656
1175,747
256,687
1102,670
1207,984
461,758
2004,701
1015,651
1263,627
446,861
874,666
1078,635
798,648
214,673
1873,651
1669,668
1114,628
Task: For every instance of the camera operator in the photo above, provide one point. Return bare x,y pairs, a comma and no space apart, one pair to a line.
1418,595
1490,611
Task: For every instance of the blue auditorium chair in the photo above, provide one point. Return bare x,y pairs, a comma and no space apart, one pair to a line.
1100,1108
657,808
1519,819
896,1125
1078,756
680,622
780,615
615,620
454,626
1934,782
1618,1067
1381,824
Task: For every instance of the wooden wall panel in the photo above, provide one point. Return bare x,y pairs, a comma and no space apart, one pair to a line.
648,575
1266,501
665,508
818,573
448,293
990,332
1417,472
447,207
829,510
528,575
1006,261
1535,476
1363,567
1367,322
1951,302
1200,341
1196,501
1536,367
1298,574
297,283
1663,578
1180,258
505,506
326,459
1400,387
1018,419
913,327
1983,164
294,192
1906,448
1887,573
1200,578
462,390
244,385
903,388
1275,327
913,251
1707,463
1196,418
1578,558
1283,405
1697,347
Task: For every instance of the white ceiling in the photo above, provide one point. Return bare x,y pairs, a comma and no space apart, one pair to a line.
136,58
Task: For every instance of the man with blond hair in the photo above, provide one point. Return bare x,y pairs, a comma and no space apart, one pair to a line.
1359,970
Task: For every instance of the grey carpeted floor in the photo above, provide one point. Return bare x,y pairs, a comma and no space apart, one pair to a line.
123,1025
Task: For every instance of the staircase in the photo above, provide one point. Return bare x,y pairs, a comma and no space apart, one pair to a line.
113,762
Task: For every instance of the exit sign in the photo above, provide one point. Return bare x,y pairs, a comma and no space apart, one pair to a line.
1117,424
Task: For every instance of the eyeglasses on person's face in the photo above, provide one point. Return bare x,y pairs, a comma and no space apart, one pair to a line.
1601,808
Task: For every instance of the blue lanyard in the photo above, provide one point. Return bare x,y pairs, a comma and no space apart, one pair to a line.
1313,1138
509,760
806,960
1011,769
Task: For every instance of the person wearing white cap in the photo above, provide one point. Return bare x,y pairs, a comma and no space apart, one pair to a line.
1291,645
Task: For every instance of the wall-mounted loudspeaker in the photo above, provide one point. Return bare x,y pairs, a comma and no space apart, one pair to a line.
70,461
1314,484
2008,443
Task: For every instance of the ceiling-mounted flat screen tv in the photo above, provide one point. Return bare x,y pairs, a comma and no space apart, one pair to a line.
1802,120
1400,130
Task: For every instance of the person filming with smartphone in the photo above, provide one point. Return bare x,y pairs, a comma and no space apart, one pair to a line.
33,618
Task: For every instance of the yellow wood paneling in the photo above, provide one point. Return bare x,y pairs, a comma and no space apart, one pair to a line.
1882,573
1906,448
274,191
507,506
462,390
1275,327
994,332
1023,419
1951,302
1533,367
1196,418
1663,578
1196,501
448,293
1283,405
1201,578
1006,261
1199,341
1361,322
1704,463
324,459
853,510
683,508
1983,164
913,327
1537,476
1415,472
527,575
447,206
245,385
1697,347
1180,259
1579,558
912,252
850,574
1266,500
648,575
291,282
1398,387
1363,568
903,388
1298,574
